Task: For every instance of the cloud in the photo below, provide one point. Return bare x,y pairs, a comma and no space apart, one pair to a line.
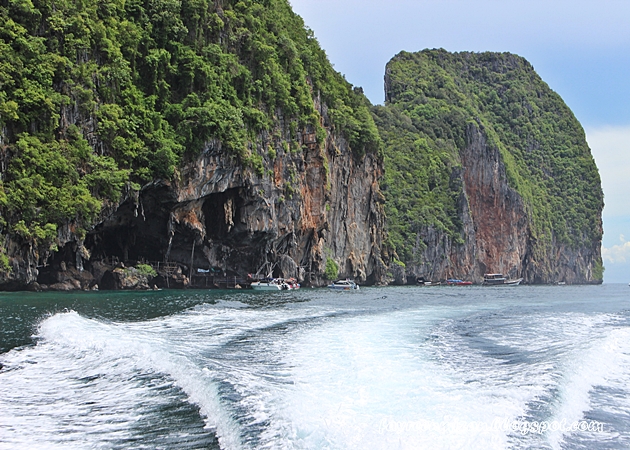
611,149
617,254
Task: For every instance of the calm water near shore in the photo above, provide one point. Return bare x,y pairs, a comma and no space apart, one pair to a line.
383,368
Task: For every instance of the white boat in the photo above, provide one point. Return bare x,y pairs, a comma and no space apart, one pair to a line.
497,279
266,286
275,284
344,285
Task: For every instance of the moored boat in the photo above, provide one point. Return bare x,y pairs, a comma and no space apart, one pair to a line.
498,279
422,282
455,282
275,284
344,285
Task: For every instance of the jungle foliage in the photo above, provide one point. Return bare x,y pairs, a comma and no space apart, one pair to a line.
431,97
100,96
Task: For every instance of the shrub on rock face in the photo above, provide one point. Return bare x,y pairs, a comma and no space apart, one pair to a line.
332,269
146,270
128,278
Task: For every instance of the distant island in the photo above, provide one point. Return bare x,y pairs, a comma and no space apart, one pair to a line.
486,170
187,144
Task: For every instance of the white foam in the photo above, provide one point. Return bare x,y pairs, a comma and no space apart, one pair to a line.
302,377
372,383
72,348
604,362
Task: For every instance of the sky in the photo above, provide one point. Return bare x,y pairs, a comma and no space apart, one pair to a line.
581,48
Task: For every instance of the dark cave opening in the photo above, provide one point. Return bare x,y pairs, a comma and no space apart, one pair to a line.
156,227
137,231
222,213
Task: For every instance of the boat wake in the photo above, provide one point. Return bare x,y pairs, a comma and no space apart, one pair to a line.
317,375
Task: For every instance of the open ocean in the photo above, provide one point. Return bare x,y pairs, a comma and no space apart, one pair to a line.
522,367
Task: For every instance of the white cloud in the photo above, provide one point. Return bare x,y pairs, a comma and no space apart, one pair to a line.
617,254
611,149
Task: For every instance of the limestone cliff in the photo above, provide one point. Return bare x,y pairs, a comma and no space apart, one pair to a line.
218,215
206,135
308,206
502,179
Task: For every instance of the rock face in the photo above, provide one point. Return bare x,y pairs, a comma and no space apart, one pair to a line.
125,279
497,231
307,207
495,226
500,223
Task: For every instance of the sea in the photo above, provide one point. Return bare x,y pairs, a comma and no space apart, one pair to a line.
443,367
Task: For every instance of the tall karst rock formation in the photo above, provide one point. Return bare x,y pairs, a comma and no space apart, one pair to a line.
210,134
487,170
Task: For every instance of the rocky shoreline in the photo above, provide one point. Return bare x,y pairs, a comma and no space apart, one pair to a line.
108,276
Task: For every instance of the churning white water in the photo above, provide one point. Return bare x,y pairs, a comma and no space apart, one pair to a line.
382,368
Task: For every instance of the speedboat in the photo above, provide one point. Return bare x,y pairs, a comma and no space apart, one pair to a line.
293,283
275,284
344,285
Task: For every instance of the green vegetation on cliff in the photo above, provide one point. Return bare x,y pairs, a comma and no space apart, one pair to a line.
431,97
418,183
97,97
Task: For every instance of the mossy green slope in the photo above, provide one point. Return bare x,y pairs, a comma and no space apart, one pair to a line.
431,97
99,97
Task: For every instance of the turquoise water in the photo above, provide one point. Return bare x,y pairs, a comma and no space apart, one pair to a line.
382,368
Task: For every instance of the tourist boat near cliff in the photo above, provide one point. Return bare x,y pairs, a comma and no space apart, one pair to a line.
455,282
344,285
497,279
275,284
422,282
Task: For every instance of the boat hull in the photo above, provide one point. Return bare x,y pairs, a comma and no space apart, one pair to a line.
458,283
504,282
344,285
497,279
274,286
265,287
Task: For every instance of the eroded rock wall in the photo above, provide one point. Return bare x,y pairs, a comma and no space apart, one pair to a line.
496,230
318,203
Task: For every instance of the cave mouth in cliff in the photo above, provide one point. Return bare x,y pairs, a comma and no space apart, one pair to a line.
229,242
211,232
222,213
137,231
133,243
59,261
